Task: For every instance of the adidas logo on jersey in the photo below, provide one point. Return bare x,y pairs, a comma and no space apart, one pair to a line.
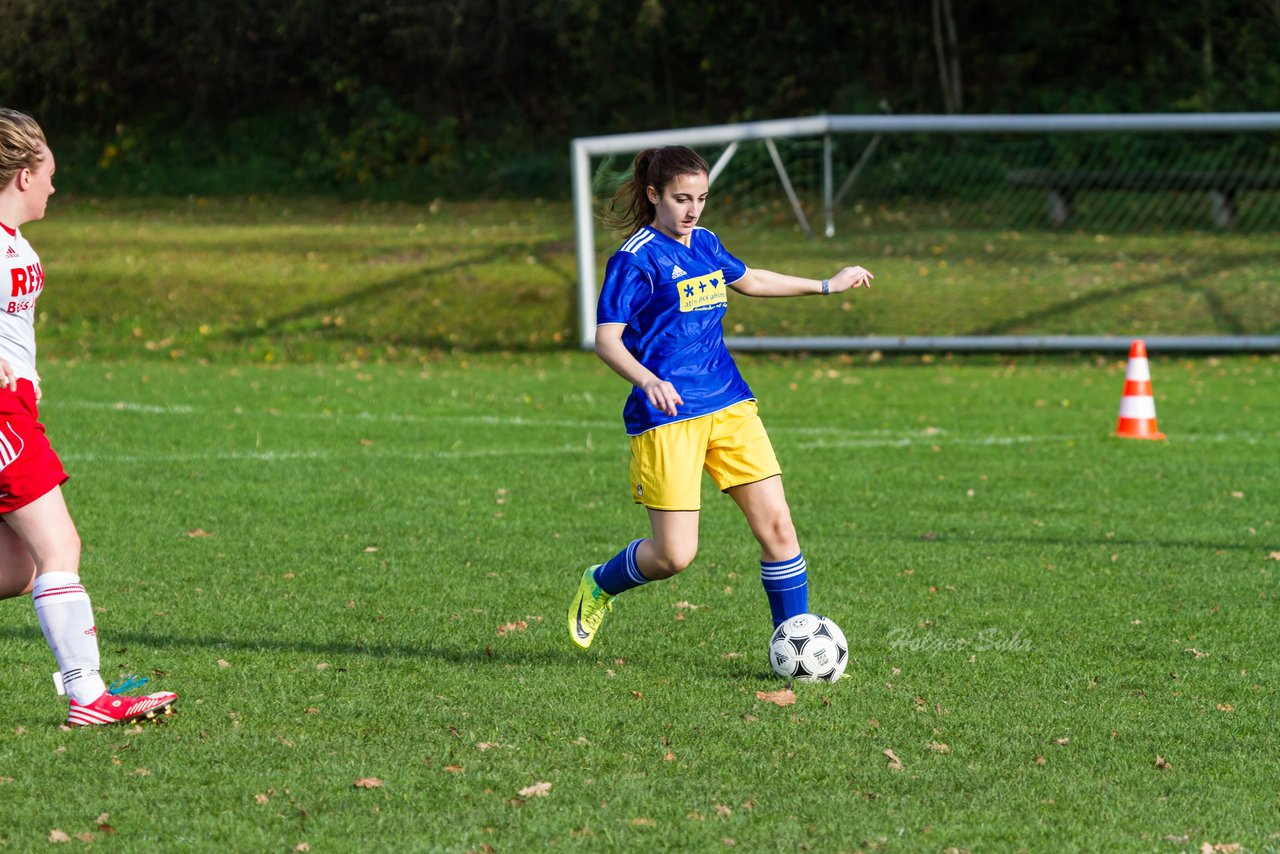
676,272
11,252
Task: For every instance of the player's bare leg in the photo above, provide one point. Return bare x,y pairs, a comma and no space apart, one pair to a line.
673,546
17,569
783,570
764,504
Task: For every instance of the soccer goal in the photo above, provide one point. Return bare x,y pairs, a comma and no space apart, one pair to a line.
1064,232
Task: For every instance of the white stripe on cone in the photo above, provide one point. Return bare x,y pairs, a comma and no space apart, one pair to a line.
1138,407
1139,369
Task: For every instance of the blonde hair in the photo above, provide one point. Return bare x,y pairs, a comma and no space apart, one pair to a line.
21,140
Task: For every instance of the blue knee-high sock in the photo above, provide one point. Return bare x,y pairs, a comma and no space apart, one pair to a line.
620,573
786,583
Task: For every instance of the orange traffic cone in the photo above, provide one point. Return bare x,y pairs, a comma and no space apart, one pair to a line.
1138,407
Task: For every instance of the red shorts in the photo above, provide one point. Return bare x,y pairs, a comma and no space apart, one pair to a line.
28,466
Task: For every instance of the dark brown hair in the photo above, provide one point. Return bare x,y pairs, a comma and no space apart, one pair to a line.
630,208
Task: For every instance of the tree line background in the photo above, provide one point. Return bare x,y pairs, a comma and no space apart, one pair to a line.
396,98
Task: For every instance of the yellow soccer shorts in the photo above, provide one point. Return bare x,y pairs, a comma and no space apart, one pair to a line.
730,445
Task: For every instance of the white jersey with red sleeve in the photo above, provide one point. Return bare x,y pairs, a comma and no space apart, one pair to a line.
21,281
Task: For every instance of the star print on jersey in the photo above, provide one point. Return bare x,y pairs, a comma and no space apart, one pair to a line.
702,292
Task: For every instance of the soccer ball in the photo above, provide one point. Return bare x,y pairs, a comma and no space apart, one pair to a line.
809,648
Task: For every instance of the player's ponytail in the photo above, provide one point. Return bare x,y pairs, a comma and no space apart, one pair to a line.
20,141
630,208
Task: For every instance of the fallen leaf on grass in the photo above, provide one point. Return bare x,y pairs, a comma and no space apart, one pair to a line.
368,783
894,762
1221,848
517,626
196,533
723,811
1197,653
643,822
1062,742
222,662
686,606
1039,760
781,697
56,835
537,790
939,747
1226,707
302,846
1274,556
455,769
1161,764
260,798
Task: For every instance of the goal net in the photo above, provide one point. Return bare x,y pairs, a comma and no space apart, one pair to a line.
1012,232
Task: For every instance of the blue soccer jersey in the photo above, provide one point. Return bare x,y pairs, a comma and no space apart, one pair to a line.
672,299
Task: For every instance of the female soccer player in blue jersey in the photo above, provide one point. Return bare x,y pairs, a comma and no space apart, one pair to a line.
658,326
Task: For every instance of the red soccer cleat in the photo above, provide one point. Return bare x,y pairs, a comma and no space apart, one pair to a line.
112,709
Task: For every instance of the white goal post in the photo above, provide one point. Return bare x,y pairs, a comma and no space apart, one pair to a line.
823,128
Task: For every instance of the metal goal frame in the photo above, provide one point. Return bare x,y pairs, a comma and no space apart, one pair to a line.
825,127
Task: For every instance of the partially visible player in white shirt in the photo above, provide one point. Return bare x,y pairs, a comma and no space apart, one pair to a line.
39,546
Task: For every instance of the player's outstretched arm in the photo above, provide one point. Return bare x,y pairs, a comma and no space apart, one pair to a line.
609,347
766,283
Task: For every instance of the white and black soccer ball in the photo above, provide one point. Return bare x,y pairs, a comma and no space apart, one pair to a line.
809,648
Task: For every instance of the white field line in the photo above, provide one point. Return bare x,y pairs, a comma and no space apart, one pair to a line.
345,456
835,437
485,420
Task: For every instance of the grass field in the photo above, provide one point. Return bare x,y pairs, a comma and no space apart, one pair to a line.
350,550
313,280
359,572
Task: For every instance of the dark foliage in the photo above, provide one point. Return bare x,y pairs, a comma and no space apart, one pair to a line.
477,96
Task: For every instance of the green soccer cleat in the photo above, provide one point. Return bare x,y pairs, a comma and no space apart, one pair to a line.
586,611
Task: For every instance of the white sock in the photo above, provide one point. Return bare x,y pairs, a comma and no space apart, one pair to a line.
66,618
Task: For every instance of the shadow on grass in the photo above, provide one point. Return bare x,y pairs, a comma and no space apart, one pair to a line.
116,641
387,289
1226,322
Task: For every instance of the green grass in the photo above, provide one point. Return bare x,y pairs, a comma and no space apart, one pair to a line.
1015,585
336,475
266,280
